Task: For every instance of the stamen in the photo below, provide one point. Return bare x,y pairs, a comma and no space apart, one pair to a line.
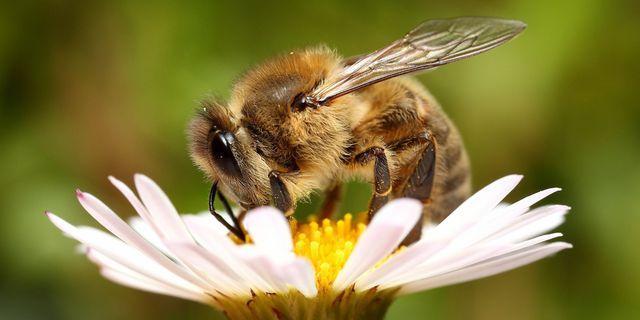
327,245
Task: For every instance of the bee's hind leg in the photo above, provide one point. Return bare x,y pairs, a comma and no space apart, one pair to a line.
382,177
420,184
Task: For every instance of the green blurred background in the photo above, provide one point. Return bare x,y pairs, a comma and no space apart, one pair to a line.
92,88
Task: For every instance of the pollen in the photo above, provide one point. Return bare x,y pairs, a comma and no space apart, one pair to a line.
327,245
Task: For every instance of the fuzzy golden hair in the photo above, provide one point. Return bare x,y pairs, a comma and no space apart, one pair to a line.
317,146
311,120
271,135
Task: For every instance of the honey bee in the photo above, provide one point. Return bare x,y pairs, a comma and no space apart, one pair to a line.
311,120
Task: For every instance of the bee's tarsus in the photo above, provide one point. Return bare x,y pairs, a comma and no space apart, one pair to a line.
227,207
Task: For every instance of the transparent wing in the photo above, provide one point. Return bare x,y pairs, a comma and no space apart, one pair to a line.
431,44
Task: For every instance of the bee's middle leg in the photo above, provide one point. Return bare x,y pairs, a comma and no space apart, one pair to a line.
420,182
382,177
331,201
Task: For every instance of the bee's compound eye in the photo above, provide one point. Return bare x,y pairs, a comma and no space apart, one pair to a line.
222,153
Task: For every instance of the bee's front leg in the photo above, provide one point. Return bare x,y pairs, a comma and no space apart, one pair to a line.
382,177
236,229
279,193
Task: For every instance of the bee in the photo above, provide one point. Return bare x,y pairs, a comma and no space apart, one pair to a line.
311,120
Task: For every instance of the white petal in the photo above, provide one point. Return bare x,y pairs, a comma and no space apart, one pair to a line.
163,214
210,267
219,245
143,229
264,267
136,204
120,252
524,204
479,228
107,264
401,262
533,223
119,228
387,229
475,235
269,230
140,284
497,220
300,274
441,263
480,203
513,248
208,235
207,220
486,269
466,257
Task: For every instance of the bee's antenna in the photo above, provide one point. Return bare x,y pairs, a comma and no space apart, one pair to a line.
236,230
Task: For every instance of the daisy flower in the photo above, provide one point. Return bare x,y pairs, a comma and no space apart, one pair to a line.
327,269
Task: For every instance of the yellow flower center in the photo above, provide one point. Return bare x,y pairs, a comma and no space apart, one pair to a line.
327,245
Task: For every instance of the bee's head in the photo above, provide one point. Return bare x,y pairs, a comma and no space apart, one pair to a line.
288,136
263,128
226,155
